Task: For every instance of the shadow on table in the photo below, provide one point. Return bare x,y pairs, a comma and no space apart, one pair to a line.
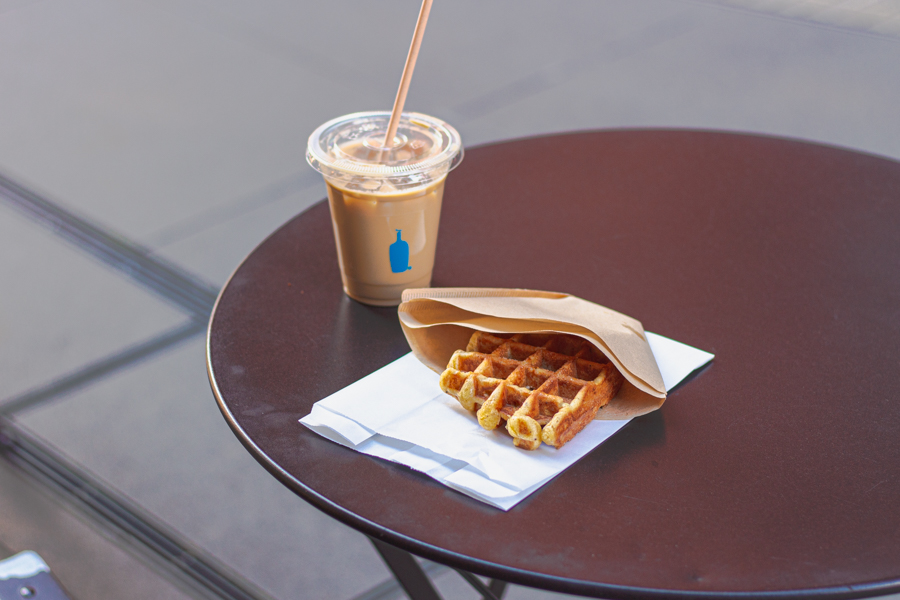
641,433
383,337
692,376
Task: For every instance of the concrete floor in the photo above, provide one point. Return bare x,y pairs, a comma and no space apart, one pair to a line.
177,128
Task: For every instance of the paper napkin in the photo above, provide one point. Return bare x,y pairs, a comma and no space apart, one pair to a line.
399,413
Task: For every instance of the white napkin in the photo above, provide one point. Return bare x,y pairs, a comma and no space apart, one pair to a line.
399,413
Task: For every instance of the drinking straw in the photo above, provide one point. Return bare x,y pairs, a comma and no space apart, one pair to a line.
400,100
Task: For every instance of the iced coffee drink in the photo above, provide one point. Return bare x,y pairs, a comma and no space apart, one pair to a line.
385,201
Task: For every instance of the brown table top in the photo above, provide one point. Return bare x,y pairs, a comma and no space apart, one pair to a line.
774,472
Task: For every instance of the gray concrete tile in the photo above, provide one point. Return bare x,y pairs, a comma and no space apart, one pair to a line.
732,71
147,115
877,16
638,55
139,118
469,46
11,5
305,34
473,48
60,310
155,434
89,562
144,115
216,250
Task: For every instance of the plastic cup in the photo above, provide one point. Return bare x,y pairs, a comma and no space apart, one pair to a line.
385,202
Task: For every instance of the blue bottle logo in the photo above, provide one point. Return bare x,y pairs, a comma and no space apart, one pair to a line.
399,253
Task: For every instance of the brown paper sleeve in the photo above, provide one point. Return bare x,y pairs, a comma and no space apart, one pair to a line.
438,321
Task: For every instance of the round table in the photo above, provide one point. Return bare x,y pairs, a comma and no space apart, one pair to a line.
773,472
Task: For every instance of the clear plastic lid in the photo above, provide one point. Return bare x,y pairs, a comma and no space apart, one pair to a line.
348,151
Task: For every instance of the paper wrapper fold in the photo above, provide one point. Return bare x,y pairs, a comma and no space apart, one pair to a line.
438,321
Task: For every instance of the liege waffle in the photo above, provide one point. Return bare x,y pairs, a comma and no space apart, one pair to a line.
547,387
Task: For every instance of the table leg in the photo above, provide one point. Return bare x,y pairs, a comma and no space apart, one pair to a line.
407,571
493,591
416,583
498,587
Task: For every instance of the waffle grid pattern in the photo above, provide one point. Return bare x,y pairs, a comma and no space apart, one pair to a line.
547,387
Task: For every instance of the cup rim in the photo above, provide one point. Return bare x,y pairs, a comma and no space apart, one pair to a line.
441,163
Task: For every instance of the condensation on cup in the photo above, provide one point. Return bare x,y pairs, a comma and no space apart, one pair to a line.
385,202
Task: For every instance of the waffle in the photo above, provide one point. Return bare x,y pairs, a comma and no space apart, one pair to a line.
547,387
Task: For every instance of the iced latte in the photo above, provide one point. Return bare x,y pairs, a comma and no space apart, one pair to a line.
385,201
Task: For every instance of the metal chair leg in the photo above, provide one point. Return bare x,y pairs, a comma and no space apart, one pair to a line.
492,591
407,571
498,587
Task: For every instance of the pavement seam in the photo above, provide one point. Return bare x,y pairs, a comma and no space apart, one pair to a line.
810,19
555,74
182,561
135,262
162,278
102,368
185,563
207,219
